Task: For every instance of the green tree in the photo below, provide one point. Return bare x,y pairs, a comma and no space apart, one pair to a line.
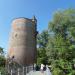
42,40
2,62
61,44
2,58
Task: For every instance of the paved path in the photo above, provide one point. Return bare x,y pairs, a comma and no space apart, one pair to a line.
47,72
39,73
36,73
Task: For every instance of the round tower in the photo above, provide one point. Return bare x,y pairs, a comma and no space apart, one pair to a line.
22,41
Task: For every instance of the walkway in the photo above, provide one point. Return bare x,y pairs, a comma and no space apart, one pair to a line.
47,72
36,73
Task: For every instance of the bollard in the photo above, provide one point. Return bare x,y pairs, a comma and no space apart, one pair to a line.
18,71
23,71
11,72
26,70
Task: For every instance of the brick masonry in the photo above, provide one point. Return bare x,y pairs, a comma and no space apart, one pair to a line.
22,41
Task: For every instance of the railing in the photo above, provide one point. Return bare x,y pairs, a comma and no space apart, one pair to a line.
22,71
14,68
26,71
19,71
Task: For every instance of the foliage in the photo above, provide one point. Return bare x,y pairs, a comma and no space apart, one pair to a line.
2,70
57,44
57,71
60,48
42,40
1,51
2,61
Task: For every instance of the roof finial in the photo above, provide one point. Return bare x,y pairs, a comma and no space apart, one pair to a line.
34,19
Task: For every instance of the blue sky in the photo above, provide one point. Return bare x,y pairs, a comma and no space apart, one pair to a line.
42,9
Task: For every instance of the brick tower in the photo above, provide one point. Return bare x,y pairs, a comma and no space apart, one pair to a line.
22,41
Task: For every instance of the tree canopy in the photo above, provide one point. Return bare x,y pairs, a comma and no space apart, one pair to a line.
62,51
42,40
59,43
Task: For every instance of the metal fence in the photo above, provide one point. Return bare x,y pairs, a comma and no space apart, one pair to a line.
21,71
18,71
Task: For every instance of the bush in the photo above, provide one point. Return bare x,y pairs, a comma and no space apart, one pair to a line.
57,71
3,71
